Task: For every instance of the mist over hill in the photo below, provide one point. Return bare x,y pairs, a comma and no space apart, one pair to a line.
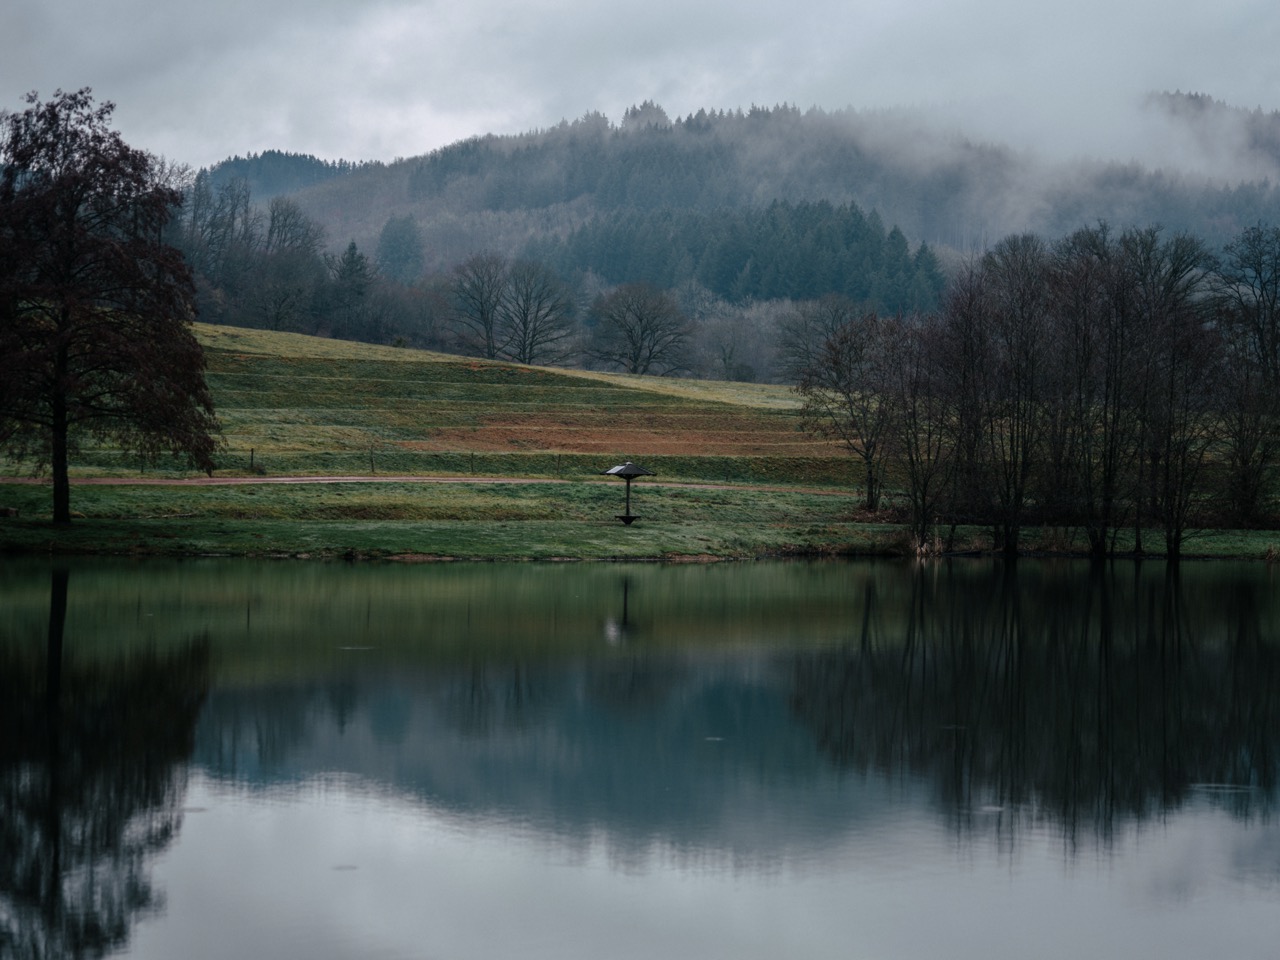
916,170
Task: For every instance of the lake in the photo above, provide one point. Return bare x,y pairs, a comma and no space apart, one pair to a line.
961,759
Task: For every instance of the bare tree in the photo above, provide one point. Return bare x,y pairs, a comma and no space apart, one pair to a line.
962,334
536,315
1016,298
640,329
1094,309
803,331
1176,370
844,396
922,438
289,229
479,289
736,341
1247,288
289,268
1248,282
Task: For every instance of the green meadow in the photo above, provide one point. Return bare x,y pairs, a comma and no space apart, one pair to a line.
449,457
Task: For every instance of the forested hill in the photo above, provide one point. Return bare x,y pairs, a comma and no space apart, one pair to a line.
935,184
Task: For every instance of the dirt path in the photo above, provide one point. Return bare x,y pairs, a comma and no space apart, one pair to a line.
246,481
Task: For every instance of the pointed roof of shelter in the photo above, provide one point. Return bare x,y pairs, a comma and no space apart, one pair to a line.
627,470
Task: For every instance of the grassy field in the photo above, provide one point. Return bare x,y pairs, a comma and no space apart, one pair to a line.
519,520
735,475
300,405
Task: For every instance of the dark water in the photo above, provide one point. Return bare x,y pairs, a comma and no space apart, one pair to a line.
881,760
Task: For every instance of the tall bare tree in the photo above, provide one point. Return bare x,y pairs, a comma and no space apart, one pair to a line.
962,333
1248,282
1016,294
479,289
1247,287
1174,377
916,383
844,389
537,315
640,329
1094,306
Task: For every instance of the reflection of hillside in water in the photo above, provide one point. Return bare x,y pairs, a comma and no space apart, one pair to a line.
1043,694
93,757
690,755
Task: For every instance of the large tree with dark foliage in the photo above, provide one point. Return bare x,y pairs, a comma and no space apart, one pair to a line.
95,309
93,773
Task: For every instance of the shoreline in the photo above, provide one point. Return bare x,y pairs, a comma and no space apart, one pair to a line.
444,519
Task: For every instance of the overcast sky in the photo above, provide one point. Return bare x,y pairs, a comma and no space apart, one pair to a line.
379,79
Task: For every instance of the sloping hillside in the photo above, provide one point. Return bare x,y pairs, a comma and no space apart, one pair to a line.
311,405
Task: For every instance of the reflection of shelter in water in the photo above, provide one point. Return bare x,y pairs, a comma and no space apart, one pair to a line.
615,631
92,773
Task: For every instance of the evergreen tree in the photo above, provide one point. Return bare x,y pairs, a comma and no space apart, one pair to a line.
399,253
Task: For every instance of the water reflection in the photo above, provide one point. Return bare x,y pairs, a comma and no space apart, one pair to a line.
92,772
765,720
1018,696
1079,699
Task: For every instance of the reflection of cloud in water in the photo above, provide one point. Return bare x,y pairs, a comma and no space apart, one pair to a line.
1200,850
692,762
1255,855
429,880
680,762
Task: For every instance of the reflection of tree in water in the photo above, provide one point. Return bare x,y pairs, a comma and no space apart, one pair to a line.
1080,700
92,775
487,697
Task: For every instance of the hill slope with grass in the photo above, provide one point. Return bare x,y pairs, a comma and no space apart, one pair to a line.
292,404
391,422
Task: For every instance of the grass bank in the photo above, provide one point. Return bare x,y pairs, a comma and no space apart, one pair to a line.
518,520
736,475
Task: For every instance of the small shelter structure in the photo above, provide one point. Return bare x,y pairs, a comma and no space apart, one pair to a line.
627,471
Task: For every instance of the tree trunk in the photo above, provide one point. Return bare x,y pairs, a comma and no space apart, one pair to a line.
58,462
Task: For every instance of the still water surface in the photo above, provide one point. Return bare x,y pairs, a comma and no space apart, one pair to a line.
872,760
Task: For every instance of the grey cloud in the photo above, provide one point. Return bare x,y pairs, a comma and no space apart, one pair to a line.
379,79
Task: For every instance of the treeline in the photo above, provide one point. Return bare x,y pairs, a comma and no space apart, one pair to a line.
1106,381
275,172
268,267
785,251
